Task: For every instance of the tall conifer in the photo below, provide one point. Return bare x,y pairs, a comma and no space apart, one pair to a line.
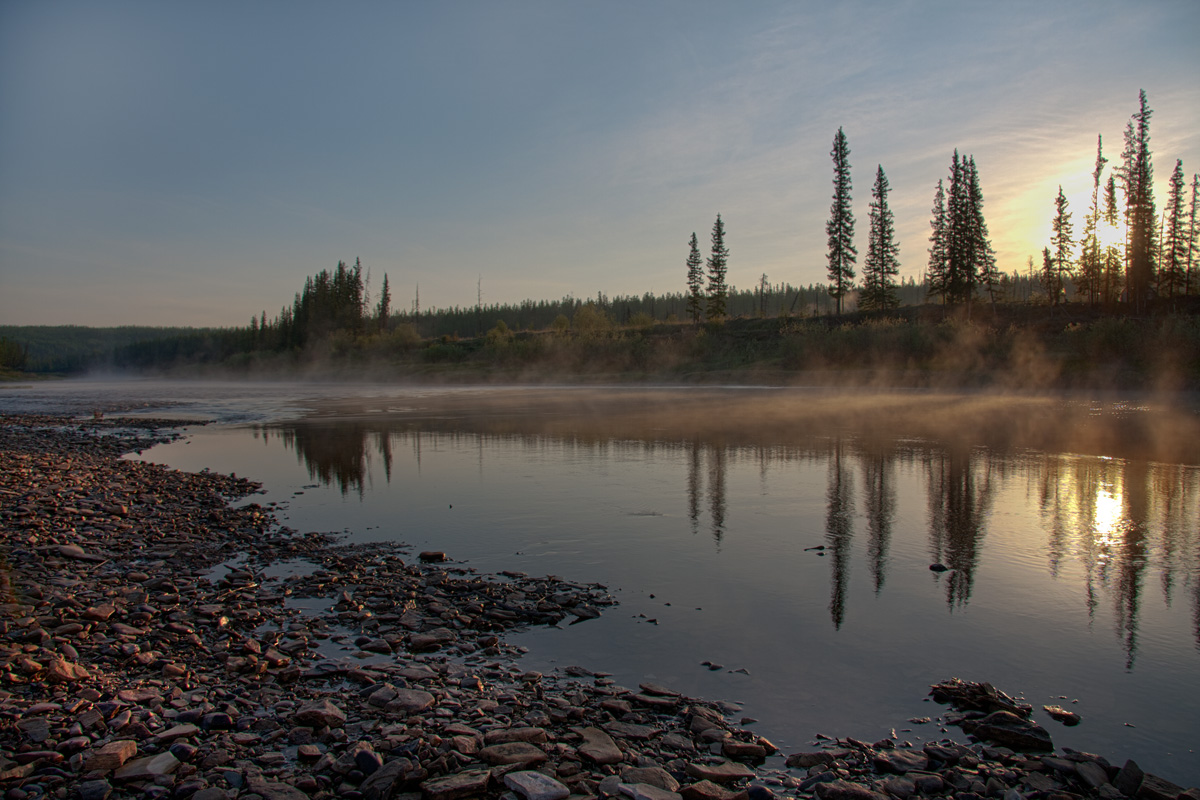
718,265
1137,177
1061,238
840,227
1175,244
938,267
695,280
883,254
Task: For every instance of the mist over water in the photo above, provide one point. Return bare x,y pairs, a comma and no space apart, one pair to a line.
1070,527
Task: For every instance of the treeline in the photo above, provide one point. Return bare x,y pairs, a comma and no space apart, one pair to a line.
67,349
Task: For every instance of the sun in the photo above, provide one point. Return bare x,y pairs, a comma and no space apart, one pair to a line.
1110,235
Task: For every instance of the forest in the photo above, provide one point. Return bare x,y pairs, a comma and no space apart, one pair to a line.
1095,304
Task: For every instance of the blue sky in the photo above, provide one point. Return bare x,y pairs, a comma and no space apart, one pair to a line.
190,163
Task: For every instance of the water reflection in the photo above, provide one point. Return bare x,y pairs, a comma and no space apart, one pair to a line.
1106,523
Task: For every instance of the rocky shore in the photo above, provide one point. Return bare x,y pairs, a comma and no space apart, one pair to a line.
160,637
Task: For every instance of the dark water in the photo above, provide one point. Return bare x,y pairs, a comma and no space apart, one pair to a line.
1070,527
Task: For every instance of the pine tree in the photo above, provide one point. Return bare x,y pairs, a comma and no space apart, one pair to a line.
1137,177
1061,239
1090,262
1111,282
1193,238
1175,244
960,282
384,309
695,279
840,227
982,256
1049,277
882,263
718,262
938,267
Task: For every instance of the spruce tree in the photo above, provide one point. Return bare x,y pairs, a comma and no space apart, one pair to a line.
1111,282
1192,285
384,309
1137,177
1061,239
1090,262
959,282
1175,244
840,227
718,264
882,263
695,280
938,266
982,256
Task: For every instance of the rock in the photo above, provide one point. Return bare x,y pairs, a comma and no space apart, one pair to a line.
812,759
94,790
706,790
410,701
61,671
211,793
504,735
272,790
927,783
185,731
655,776
645,791
846,790
598,747
432,556
321,714
521,753
431,640
660,691
726,772
1091,773
1005,728
901,788
149,767
385,782
112,755
899,761
1060,714
536,786
461,784
1129,779
628,730
1156,788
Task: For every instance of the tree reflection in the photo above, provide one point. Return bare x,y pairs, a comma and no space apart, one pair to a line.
880,498
716,491
959,502
839,531
1131,561
693,485
333,454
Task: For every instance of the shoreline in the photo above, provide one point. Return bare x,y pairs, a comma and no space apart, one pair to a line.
157,644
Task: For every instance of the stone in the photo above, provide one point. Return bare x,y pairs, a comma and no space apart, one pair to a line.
645,791
807,760
726,772
1129,779
1156,788
1060,714
674,741
504,735
94,790
706,790
211,793
185,731
846,790
385,782
521,753
61,671
899,761
901,788
655,776
272,790
460,784
148,767
748,751
598,747
431,640
321,714
927,783
536,786
410,701
1091,773
112,755
36,729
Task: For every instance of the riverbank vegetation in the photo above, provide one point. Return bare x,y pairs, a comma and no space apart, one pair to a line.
1120,306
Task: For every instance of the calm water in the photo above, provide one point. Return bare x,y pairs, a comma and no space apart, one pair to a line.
1070,526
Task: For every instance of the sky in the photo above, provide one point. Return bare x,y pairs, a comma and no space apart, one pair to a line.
190,163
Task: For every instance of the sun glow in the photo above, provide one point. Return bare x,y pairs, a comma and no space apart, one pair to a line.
1110,235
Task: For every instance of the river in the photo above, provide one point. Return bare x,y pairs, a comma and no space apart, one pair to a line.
773,547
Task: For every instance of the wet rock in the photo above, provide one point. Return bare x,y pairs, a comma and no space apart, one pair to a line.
725,772
320,714
646,791
385,782
1156,788
846,790
598,747
410,701
536,786
1129,779
521,753
706,790
461,784
1060,714
148,767
655,776
94,790
1010,730
112,755
900,761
